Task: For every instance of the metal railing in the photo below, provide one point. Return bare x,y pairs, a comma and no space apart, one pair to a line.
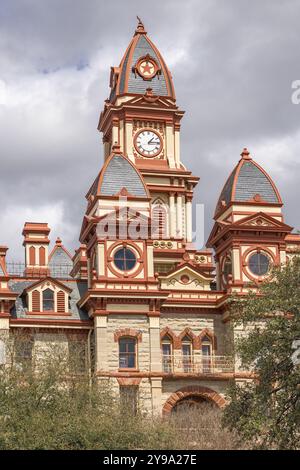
197,364
17,269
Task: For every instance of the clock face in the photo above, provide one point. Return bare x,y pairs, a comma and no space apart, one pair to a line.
148,143
147,68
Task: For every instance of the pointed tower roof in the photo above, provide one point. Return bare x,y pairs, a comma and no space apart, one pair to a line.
248,182
119,176
141,67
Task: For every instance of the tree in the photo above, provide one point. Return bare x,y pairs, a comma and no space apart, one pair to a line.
45,405
266,412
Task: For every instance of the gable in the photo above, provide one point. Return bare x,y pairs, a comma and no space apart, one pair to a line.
185,278
264,221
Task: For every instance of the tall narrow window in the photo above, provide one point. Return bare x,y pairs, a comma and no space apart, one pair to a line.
159,221
24,351
127,353
77,355
187,353
48,300
167,358
42,255
32,256
129,399
206,350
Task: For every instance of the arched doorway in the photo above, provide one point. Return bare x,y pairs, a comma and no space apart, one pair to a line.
191,403
192,397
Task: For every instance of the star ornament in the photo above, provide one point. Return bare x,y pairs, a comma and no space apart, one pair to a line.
148,68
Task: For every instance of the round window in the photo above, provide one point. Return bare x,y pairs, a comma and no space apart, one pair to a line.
259,264
124,259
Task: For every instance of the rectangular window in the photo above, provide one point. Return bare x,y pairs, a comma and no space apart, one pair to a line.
167,356
77,355
127,353
129,399
206,357
24,351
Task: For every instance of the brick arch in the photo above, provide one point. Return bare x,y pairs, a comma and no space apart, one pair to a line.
174,338
188,332
128,332
211,335
193,390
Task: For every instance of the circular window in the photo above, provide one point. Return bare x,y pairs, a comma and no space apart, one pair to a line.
124,259
259,264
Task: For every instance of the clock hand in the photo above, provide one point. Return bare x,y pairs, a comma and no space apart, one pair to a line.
152,143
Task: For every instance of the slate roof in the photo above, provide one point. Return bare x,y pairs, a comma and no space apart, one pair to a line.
60,263
20,309
117,174
246,181
131,82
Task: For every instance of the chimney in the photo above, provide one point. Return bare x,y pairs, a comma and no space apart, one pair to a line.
36,244
3,269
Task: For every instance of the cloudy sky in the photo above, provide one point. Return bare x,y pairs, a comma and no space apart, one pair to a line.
233,65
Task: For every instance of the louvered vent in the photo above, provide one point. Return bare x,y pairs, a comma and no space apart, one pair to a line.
61,304
159,221
36,305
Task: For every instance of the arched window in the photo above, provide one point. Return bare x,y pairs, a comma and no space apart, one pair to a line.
159,220
167,354
187,353
32,256
42,256
48,300
127,353
206,349
227,267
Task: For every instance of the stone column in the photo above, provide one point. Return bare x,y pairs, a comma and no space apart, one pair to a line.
156,394
236,269
179,215
189,234
155,351
100,324
172,215
4,332
129,140
155,363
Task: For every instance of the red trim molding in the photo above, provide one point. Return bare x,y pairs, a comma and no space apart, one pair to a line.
193,390
128,332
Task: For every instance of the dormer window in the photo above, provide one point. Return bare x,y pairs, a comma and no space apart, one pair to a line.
48,296
48,300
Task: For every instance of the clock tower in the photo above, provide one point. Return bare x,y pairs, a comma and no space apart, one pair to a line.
142,118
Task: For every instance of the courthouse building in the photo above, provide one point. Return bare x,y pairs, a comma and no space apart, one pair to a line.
149,308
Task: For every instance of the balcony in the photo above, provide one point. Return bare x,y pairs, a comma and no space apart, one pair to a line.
197,364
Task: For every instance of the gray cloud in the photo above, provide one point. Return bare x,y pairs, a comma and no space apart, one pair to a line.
233,64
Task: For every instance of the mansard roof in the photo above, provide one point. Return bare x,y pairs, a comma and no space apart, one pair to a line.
125,79
248,182
119,174
75,289
60,261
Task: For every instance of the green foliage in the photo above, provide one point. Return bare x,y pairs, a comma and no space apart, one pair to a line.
44,405
50,409
266,412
